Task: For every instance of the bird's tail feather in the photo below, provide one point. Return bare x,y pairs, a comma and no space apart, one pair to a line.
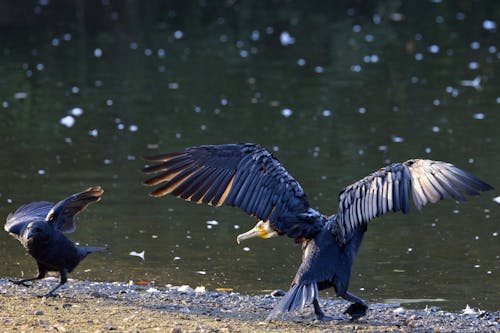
299,296
86,250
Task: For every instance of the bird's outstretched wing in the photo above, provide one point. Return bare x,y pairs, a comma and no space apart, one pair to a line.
63,213
241,175
17,221
389,188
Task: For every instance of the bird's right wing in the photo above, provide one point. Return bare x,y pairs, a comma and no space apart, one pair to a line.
241,175
389,188
62,215
17,221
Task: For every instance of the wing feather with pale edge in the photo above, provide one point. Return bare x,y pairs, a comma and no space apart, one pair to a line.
62,215
388,189
241,175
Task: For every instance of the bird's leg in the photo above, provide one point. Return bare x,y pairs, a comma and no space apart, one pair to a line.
62,281
358,308
41,275
320,315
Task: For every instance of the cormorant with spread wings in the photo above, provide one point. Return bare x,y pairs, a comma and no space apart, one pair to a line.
251,178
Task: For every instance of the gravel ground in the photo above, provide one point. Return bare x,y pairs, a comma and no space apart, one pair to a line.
85,306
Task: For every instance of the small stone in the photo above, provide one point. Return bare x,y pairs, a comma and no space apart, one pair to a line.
39,313
176,330
278,293
109,327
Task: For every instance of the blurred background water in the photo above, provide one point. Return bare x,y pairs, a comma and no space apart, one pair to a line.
335,89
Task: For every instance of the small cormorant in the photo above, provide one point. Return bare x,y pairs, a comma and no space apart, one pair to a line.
251,178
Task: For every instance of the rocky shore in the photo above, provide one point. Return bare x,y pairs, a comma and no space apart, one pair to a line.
85,306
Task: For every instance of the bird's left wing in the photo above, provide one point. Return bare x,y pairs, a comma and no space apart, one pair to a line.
389,189
241,175
63,213
17,221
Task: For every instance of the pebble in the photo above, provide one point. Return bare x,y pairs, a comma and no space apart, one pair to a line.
278,293
39,313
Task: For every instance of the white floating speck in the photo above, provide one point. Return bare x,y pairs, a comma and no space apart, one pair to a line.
476,83
397,139
93,132
428,150
75,90
41,172
326,113
98,53
138,254
286,113
177,258
434,49
473,65
419,56
479,116
356,68
148,52
489,25
236,226
55,42
362,110
201,272
475,45
77,112
212,222
246,249
286,39
382,148
301,62
173,85
178,34
436,129
152,290
495,234
243,53
108,161
497,199
67,121
319,69
133,128
21,95
40,67
255,35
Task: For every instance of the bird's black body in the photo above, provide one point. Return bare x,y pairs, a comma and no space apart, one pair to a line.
249,177
40,227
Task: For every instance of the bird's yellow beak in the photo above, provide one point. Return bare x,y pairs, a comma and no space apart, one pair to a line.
261,230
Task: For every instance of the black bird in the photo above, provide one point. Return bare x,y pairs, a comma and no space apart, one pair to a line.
251,178
40,227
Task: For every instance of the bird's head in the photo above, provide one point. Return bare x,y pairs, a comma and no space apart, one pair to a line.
262,230
37,231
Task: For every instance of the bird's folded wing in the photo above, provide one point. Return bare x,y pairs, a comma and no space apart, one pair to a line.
17,221
241,175
389,188
63,213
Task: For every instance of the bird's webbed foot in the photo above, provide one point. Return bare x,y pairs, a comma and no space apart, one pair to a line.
356,310
320,315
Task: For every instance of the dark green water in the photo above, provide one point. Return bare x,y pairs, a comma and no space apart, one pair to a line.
350,89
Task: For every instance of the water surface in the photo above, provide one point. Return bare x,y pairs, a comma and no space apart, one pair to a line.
88,87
